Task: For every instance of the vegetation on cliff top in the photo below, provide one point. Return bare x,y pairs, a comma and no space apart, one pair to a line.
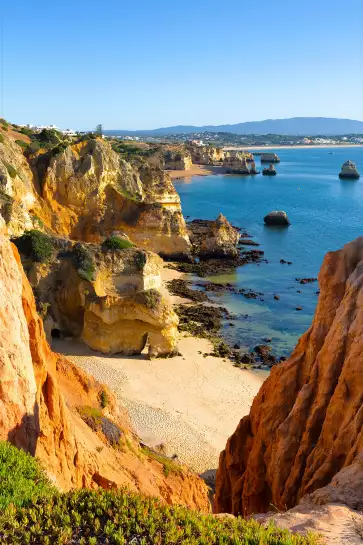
33,512
83,262
116,243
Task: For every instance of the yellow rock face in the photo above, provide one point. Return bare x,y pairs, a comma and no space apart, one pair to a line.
121,309
92,192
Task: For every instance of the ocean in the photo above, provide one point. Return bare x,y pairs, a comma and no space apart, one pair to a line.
325,213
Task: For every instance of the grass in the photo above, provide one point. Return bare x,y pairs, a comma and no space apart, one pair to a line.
21,143
116,243
95,419
169,466
102,517
22,479
35,245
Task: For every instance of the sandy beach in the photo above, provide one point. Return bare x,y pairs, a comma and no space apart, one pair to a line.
190,403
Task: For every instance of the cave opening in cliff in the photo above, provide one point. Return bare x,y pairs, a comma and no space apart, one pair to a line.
56,334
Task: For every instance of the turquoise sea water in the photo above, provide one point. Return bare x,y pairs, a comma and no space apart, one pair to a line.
325,213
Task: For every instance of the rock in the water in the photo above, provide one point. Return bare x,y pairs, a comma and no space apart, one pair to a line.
270,171
277,217
214,239
304,435
349,171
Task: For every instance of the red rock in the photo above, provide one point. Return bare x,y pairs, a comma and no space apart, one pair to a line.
304,432
39,395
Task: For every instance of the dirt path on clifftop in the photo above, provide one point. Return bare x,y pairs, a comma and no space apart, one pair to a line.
190,403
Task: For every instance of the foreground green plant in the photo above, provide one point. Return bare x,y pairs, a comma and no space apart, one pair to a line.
22,479
119,518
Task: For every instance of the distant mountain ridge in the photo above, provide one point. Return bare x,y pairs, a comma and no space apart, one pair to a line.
308,126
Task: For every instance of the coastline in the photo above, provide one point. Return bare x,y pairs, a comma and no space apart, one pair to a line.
305,146
190,403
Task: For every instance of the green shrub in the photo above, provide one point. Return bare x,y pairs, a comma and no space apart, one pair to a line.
83,262
116,243
11,170
140,260
2,139
35,245
21,143
33,147
5,127
86,517
27,131
22,479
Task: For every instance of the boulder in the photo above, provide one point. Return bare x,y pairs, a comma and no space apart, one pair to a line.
304,434
277,217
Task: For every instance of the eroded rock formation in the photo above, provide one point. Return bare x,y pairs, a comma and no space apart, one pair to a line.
86,191
40,392
304,433
214,239
206,155
236,163
111,298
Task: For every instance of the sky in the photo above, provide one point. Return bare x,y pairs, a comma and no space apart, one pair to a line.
146,64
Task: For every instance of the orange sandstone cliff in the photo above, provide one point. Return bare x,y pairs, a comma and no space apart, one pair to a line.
40,394
303,438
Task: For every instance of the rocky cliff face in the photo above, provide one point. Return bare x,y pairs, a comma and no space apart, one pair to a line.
304,433
17,197
91,191
206,155
236,163
41,397
86,191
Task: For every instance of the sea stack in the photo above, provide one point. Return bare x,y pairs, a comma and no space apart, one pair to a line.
277,217
270,158
253,169
270,171
349,171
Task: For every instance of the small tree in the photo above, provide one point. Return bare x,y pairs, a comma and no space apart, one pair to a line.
99,130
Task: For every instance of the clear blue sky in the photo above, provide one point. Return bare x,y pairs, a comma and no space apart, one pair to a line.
146,64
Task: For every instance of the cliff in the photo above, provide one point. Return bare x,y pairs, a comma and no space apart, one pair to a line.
206,155
303,438
43,397
86,191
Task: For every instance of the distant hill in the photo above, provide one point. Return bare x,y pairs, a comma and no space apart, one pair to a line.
309,126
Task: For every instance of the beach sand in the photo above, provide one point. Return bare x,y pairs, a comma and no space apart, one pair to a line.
190,403
196,170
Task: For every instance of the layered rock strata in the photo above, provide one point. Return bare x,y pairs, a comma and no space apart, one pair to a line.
304,433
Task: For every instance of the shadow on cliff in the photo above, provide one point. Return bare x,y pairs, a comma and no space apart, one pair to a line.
25,435
209,477
76,347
